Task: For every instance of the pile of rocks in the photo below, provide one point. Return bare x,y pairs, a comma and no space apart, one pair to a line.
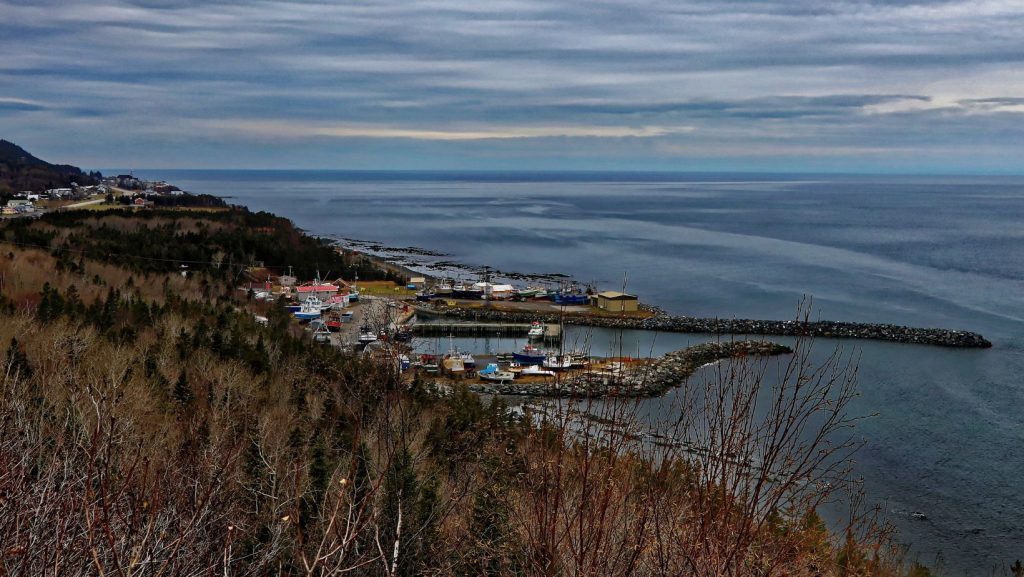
683,324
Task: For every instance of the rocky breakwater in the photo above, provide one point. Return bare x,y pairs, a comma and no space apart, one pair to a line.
638,379
683,324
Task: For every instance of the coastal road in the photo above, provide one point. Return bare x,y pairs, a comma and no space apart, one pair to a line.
81,204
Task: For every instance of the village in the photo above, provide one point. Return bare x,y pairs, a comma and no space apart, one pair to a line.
399,325
123,190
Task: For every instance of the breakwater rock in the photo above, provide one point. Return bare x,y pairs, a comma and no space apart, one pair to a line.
643,379
683,324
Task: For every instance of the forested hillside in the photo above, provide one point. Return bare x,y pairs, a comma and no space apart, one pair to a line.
20,171
150,426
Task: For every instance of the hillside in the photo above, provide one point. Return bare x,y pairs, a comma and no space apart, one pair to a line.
149,425
20,170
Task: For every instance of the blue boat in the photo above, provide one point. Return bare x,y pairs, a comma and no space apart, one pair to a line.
311,309
570,299
530,355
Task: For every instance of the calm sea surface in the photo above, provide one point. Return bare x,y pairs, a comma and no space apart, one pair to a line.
948,438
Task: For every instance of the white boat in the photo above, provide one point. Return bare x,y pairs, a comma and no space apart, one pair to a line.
453,364
322,334
558,362
493,373
311,309
366,335
536,331
536,371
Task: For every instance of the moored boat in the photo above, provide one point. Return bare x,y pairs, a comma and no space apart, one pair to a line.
536,331
311,309
536,371
493,373
366,335
529,355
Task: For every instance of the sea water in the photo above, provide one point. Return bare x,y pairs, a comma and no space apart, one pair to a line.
946,435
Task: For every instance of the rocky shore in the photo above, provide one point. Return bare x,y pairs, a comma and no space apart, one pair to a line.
683,324
645,379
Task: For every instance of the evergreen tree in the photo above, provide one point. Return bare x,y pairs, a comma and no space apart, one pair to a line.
16,360
182,391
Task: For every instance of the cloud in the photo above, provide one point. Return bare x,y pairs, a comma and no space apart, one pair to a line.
651,81
283,129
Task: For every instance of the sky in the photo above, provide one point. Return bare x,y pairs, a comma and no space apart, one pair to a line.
658,85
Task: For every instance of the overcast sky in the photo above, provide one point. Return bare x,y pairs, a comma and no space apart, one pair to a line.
788,85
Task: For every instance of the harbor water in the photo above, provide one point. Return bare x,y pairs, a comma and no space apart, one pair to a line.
947,438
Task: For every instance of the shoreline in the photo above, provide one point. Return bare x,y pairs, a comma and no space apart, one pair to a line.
664,322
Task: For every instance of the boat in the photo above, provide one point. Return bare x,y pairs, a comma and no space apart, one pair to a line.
403,363
453,364
469,292
347,316
570,294
366,335
311,309
570,298
536,371
322,334
444,289
493,373
529,355
403,335
425,296
558,362
468,361
536,331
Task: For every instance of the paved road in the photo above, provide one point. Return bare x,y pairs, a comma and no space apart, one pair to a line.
84,203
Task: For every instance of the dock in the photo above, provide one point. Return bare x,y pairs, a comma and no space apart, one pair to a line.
552,332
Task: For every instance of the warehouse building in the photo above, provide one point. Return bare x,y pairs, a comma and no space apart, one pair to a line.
617,302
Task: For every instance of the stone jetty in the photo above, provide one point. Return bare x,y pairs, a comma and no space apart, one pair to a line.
641,379
683,324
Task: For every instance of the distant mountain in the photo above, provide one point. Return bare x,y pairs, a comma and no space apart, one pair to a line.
19,171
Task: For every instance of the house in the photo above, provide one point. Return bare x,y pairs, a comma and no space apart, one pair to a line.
617,302
417,282
142,202
8,211
321,291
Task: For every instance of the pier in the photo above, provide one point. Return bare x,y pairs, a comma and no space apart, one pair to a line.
682,324
552,332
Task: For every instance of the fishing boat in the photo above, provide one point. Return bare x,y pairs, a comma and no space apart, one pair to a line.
536,331
558,362
428,363
468,361
444,289
347,316
536,371
529,355
321,334
403,363
493,373
366,335
403,334
425,296
466,291
311,309
453,364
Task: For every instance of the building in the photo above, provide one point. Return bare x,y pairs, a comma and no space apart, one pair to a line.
321,291
617,302
417,282
15,203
